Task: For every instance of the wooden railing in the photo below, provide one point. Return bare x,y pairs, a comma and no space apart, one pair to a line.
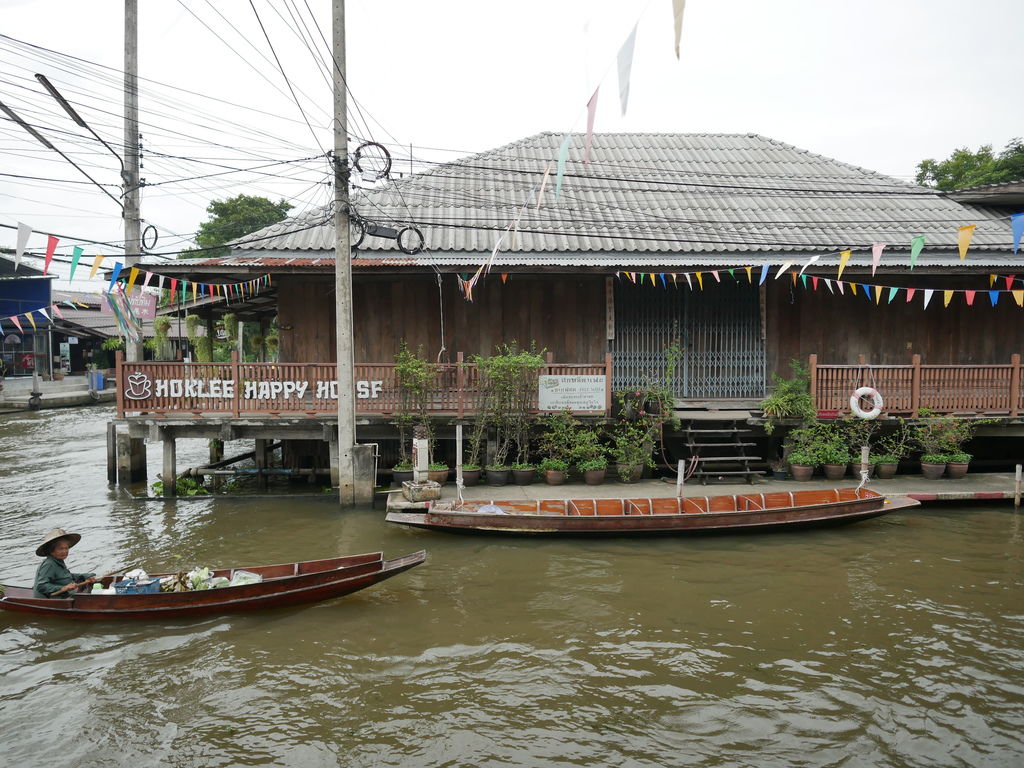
305,388
906,389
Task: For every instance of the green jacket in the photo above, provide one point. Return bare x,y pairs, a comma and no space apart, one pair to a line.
52,574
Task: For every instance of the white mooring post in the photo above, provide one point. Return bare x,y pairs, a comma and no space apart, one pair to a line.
680,477
1016,489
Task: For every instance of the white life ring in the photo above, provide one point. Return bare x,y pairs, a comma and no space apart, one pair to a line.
876,401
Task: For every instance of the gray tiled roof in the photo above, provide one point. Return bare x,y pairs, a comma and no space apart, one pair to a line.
657,199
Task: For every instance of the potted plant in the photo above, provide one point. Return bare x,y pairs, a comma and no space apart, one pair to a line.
789,398
554,470
523,473
857,433
832,452
508,385
437,471
402,471
887,453
413,379
593,470
555,445
941,440
956,464
497,474
630,448
471,474
778,469
801,450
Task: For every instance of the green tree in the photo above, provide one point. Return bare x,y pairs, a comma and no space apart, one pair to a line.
233,218
965,168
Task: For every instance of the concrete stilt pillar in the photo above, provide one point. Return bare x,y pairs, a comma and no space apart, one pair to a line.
131,460
112,453
170,471
332,447
260,458
216,455
363,469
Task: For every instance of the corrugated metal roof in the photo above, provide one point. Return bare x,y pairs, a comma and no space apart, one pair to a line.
663,199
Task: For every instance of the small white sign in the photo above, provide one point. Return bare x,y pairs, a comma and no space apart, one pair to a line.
575,393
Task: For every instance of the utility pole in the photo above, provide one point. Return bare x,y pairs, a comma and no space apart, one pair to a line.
355,462
130,174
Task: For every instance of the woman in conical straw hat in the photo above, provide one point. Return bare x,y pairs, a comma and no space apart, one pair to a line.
53,579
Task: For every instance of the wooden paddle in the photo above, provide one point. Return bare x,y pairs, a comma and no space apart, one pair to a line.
93,580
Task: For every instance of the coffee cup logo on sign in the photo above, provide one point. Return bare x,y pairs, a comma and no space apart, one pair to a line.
139,387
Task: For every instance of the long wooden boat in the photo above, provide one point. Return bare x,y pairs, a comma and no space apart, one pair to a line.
283,585
739,512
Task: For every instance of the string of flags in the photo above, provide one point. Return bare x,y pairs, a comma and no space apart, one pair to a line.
124,280
871,291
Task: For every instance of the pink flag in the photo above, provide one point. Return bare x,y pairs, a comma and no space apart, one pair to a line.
876,256
591,109
910,294
56,310
14,320
51,246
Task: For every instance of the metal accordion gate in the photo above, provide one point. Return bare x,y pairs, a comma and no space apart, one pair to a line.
718,330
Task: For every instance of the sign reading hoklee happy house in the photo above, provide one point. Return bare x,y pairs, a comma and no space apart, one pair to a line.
140,386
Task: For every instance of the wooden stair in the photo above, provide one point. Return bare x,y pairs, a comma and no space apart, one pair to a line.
720,451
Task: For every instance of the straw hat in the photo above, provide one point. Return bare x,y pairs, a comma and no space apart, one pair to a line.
57,533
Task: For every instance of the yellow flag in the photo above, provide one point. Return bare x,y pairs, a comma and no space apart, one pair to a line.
878,294
963,239
131,280
991,280
853,287
844,256
29,316
651,275
195,291
947,296
95,266
1018,296
700,281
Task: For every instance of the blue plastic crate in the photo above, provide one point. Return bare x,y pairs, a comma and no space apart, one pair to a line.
132,587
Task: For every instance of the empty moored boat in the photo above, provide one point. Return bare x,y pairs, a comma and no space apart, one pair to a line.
739,512
282,585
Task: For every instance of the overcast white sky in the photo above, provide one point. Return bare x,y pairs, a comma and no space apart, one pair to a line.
877,83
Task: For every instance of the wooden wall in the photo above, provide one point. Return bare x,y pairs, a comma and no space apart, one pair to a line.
563,313
839,328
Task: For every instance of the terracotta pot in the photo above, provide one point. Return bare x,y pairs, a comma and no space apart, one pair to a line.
629,473
855,469
801,472
594,476
497,476
834,471
886,471
470,477
932,471
438,475
523,476
956,470
554,476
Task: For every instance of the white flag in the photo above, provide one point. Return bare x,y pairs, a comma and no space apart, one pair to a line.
24,230
625,66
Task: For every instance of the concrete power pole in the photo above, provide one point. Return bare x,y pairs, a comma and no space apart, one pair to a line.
355,462
130,175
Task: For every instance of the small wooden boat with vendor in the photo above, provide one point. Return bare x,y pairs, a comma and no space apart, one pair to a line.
280,585
733,513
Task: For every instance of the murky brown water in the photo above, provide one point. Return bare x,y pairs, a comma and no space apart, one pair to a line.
896,642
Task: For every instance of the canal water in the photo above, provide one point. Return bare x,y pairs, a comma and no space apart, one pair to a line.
895,642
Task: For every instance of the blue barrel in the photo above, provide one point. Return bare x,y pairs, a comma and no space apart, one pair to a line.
97,380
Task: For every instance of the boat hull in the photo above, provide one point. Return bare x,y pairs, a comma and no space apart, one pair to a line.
319,583
586,517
